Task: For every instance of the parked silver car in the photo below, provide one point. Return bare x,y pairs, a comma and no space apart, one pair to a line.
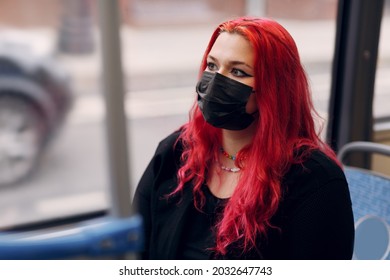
34,98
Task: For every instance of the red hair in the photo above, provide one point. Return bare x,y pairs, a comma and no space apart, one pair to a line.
285,126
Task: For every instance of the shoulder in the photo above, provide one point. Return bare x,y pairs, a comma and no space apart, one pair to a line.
169,144
166,159
316,165
168,151
315,212
164,163
317,171
322,167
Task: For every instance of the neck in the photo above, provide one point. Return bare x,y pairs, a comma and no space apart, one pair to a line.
235,140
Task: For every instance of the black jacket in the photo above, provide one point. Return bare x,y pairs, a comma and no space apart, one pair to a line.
314,216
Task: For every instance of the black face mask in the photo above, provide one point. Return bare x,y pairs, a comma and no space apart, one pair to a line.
223,101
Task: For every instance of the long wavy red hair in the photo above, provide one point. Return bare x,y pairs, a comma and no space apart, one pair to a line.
285,125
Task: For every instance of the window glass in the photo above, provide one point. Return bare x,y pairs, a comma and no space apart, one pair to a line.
162,46
381,104
382,83
52,153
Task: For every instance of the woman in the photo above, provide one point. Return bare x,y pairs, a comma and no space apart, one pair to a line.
248,176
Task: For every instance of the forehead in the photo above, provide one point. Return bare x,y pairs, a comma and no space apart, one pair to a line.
232,47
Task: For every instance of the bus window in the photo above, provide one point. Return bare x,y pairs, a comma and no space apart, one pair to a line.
162,45
52,150
381,104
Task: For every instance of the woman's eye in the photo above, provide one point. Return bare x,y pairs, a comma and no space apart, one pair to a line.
211,66
239,73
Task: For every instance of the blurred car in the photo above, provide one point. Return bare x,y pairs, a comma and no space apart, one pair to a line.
34,98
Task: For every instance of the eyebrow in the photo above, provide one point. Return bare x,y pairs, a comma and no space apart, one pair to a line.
233,62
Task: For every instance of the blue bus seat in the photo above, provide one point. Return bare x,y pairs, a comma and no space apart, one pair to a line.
370,194
97,238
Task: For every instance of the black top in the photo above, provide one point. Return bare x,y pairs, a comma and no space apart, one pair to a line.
198,237
314,216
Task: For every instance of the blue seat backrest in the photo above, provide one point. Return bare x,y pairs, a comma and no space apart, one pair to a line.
370,194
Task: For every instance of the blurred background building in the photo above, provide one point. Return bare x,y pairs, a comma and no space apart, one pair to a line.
25,13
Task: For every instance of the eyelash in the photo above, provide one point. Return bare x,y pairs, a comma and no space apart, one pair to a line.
211,66
241,74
